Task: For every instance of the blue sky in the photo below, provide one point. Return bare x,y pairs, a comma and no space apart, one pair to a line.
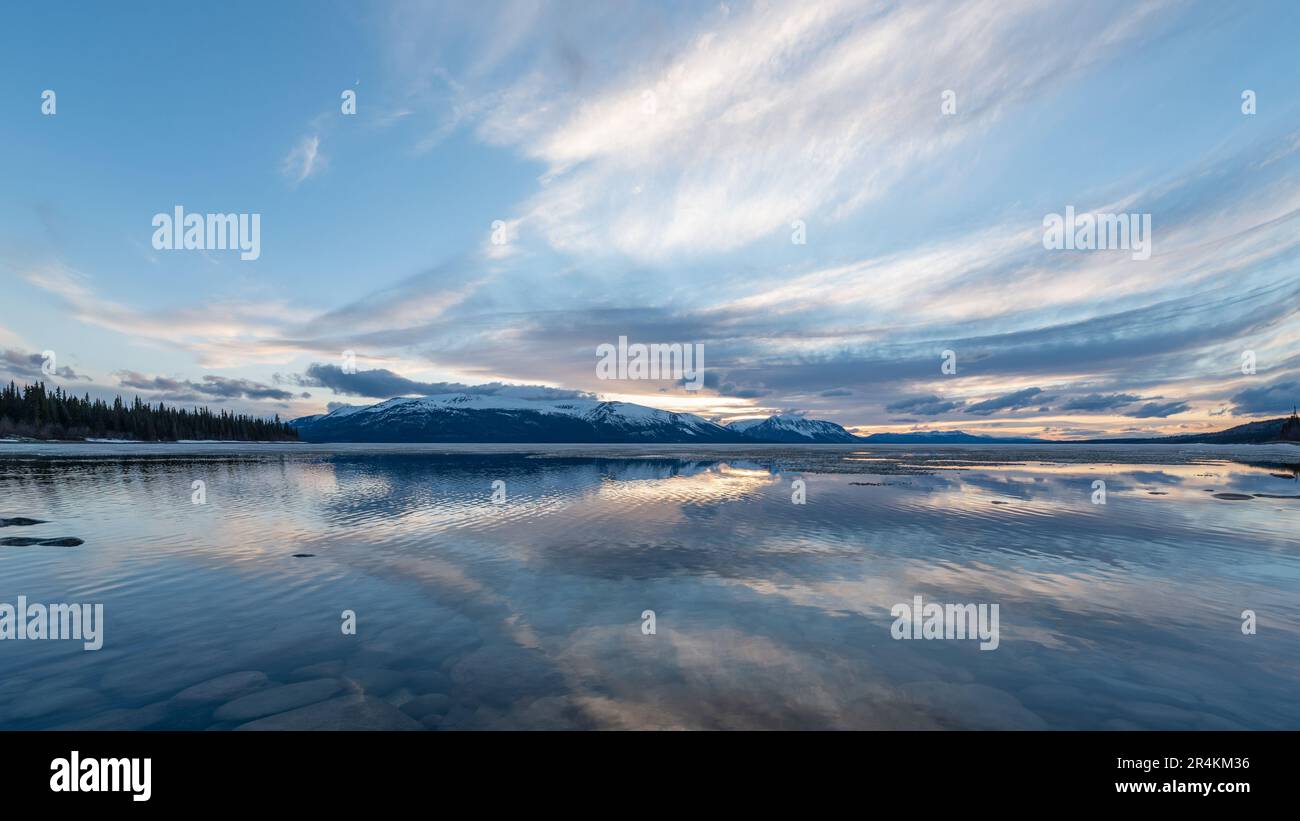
649,160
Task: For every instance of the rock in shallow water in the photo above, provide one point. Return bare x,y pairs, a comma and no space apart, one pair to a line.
224,688
422,707
502,674
345,713
19,521
278,699
42,703
375,680
24,541
132,718
973,706
323,669
428,681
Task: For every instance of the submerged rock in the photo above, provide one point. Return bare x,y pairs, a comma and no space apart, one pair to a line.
40,703
375,680
224,688
433,704
428,681
502,674
350,712
278,699
323,669
26,541
20,522
1234,496
133,718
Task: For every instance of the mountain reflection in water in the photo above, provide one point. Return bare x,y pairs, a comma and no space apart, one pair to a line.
527,614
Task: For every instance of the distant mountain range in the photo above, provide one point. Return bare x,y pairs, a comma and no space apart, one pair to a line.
1283,429
462,417
946,437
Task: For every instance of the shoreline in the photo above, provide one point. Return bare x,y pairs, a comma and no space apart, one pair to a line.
702,445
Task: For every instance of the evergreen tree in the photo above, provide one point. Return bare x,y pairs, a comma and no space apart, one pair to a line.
40,413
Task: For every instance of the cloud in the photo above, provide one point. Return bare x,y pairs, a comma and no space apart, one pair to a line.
1099,402
729,389
224,334
29,366
210,388
303,160
1159,410
783,111
855,316
381,383
1010,401
1277,398
924,405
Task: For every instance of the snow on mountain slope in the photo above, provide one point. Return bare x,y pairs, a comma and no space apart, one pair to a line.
464,417
792,429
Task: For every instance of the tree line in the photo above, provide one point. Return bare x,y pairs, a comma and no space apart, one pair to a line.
39,413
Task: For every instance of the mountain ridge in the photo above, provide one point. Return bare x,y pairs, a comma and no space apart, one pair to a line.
489,418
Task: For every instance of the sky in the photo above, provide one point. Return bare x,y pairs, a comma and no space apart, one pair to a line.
834,199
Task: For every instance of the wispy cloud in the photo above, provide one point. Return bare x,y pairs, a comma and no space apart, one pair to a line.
303,160
647,161
777,112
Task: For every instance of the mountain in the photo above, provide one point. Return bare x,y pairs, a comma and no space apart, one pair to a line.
460,417
1268,430
792,430
945,437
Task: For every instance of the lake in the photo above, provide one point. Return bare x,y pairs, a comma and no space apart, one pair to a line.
507,586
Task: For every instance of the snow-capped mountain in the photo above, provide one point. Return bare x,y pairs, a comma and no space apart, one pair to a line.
462,417
791,429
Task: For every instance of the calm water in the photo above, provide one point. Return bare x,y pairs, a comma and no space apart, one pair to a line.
528,614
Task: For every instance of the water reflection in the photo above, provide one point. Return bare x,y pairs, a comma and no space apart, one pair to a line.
473,614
